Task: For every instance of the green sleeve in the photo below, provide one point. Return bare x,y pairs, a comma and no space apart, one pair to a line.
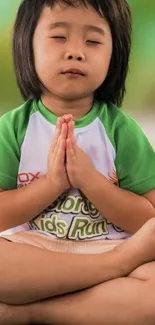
135,157
13,127
9,153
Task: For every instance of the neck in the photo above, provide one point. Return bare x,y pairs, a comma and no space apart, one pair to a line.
78,107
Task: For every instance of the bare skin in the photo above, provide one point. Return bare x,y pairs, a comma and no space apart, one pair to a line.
116,293
32,287
39,302
36,274
120,301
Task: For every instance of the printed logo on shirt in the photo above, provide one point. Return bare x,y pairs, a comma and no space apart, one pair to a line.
26,178
84,222
71,217
114,178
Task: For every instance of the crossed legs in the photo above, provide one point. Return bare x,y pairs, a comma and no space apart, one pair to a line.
114,299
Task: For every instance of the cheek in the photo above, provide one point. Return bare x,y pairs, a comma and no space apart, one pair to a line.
101,64
40,55
44,60
41,52
104,59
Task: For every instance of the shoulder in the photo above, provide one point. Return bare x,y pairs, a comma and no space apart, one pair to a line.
14,123
119,126
115,117
18,118
135,157
21,113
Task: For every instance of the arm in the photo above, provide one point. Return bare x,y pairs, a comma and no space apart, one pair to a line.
123,208
21,205
133,203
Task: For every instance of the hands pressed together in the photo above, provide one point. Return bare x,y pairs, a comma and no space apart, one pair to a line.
68,166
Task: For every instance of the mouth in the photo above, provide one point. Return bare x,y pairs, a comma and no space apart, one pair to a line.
73,72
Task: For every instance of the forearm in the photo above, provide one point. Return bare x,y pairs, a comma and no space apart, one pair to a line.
123,208
21,205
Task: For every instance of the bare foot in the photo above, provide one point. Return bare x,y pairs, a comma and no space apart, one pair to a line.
140,248
14,315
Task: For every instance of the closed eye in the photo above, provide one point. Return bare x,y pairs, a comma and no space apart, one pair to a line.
94,42
59,37
63,38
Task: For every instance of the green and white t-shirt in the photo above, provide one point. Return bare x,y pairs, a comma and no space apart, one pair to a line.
113,142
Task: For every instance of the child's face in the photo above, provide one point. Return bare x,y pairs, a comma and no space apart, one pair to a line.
72,50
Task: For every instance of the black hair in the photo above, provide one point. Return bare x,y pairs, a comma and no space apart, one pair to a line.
117,14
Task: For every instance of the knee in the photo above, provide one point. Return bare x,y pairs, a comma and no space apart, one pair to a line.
144,272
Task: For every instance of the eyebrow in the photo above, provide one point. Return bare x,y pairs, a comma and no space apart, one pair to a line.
86,27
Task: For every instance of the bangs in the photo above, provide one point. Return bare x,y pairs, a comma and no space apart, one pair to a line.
76,3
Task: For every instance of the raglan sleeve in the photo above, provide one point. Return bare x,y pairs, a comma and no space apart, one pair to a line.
9,153
135,157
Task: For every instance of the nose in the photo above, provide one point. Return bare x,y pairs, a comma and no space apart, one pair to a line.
77,57
75,54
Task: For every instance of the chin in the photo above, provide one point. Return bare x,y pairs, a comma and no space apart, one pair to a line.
72,96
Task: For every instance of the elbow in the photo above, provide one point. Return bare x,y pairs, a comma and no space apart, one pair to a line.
144,216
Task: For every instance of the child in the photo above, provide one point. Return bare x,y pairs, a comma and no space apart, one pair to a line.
77,175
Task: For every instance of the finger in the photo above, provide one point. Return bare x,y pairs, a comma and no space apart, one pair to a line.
63,136
64,130
57,134
70,157
71,135
60,155
71,130
68,117
59,123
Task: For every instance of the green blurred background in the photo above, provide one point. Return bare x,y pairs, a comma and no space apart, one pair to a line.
140,97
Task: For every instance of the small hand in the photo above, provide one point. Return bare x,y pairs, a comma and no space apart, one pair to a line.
56,169
79,168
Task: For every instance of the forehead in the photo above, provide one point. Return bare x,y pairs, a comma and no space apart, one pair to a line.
79,16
